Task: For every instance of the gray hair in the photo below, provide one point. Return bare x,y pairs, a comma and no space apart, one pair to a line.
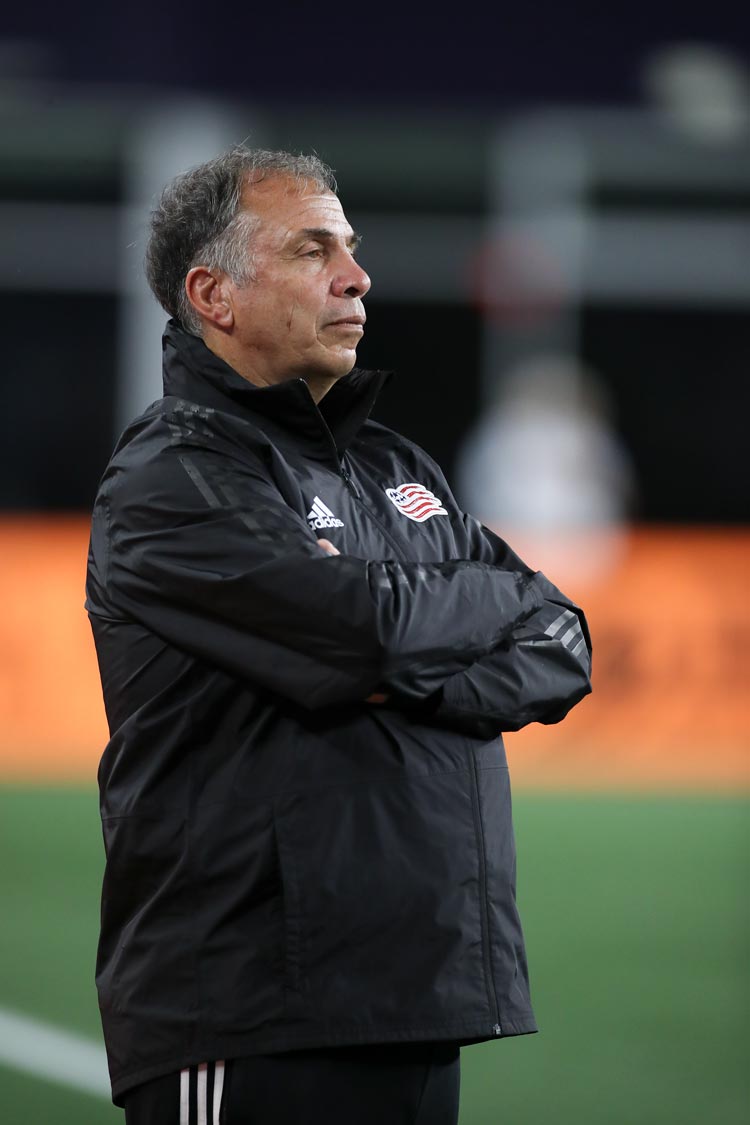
199,221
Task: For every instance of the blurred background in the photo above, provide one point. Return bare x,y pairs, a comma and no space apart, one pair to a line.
556,219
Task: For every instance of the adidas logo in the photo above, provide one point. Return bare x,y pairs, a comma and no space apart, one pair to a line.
320,516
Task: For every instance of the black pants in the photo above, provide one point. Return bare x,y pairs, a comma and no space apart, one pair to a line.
395,1084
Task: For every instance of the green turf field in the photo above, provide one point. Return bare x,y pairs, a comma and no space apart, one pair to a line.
636,913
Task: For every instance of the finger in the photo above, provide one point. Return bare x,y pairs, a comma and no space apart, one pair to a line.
328,547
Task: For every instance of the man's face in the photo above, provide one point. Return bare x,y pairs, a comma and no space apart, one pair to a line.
302,314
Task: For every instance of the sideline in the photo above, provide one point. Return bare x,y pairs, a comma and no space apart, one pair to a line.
55,1054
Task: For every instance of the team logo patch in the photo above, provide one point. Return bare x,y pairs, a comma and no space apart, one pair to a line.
416,502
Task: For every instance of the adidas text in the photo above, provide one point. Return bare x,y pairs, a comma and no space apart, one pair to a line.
321,516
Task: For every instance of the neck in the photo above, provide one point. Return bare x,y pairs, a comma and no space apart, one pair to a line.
319,385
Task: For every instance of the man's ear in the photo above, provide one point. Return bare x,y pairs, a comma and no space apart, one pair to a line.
207,293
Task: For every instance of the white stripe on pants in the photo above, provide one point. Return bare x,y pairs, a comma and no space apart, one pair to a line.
202,1093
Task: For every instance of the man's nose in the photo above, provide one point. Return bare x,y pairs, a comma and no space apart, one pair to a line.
351,281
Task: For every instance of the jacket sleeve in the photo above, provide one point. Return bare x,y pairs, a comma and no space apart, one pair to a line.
199,546
539,671
537,674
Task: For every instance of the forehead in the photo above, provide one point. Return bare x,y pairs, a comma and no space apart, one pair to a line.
286,207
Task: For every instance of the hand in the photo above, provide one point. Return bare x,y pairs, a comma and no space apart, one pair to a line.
328,547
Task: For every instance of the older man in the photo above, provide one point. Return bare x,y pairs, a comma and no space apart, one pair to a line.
308,654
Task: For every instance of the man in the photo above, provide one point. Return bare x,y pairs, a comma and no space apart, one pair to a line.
308,653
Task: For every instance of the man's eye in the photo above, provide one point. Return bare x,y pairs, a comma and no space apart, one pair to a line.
313,252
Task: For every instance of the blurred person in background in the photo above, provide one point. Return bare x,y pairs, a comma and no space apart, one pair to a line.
546,462
308,653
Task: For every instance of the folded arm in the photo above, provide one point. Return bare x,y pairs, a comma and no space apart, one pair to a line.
198,546
537,674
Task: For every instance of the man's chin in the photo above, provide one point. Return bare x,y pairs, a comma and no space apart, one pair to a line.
339,364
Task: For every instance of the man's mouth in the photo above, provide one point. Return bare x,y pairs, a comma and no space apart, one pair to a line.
348,322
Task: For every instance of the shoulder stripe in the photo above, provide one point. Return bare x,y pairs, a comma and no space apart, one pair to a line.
200,482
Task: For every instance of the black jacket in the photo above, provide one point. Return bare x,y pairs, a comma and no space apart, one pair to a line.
288,865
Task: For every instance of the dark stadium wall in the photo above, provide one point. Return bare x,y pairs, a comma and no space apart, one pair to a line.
387,52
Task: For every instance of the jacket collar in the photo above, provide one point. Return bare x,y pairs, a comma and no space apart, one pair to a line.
193,372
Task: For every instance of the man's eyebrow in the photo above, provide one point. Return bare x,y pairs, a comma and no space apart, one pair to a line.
325,235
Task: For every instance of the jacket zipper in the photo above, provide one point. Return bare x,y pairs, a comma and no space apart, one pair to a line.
348,481
488,973
358,497
489,976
